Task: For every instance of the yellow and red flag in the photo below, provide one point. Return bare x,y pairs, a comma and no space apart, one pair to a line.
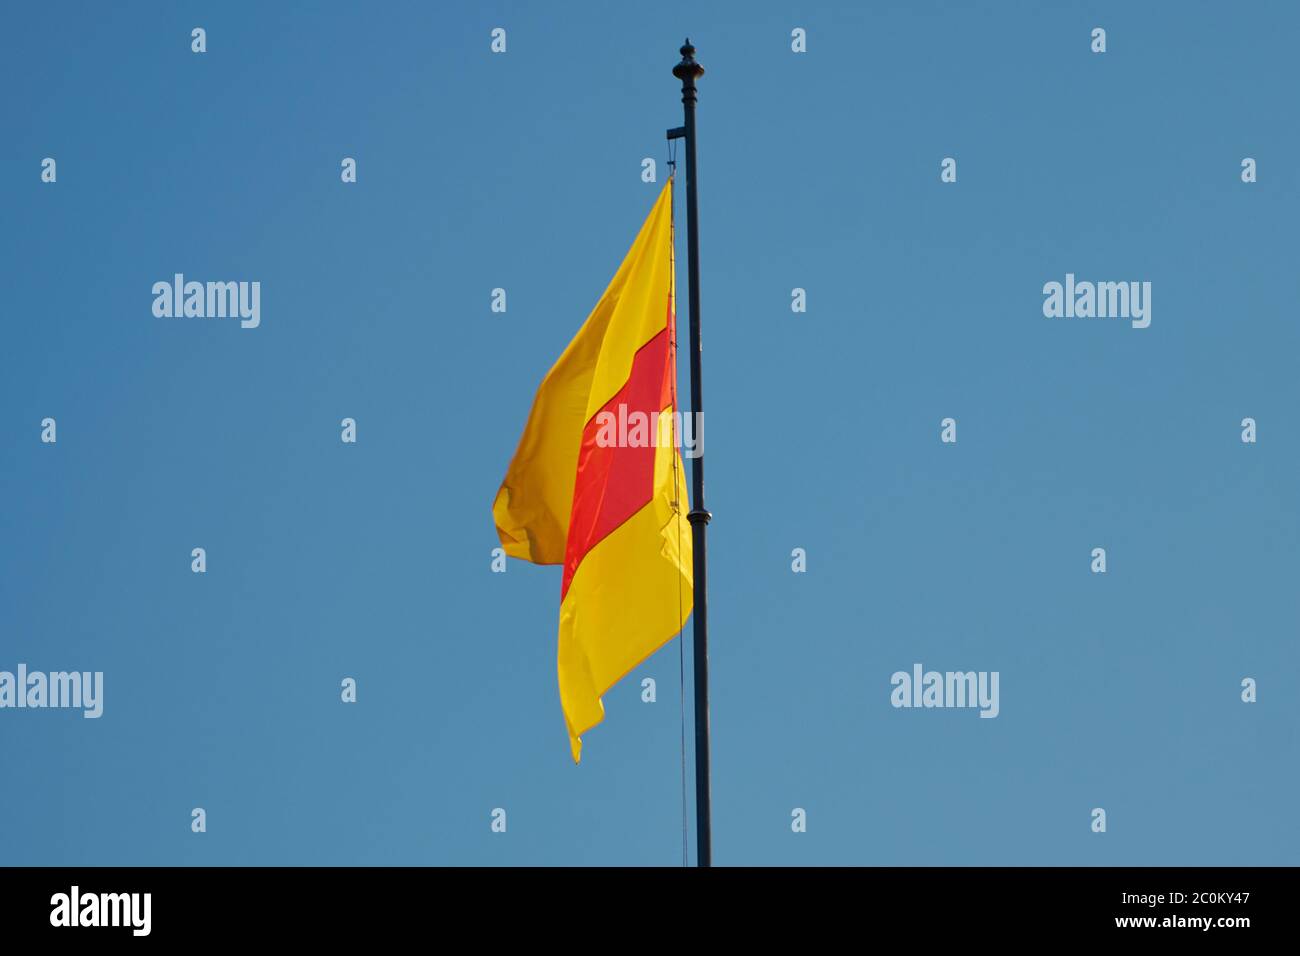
597,483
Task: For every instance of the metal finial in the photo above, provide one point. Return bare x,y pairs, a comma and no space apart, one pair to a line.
688,67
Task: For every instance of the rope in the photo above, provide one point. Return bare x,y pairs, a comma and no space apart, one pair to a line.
677,483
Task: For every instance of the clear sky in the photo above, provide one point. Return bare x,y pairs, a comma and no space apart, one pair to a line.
522,170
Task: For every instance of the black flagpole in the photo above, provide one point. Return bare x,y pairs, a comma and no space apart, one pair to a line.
688,71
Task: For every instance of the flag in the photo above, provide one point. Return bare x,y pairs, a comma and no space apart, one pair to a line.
597,485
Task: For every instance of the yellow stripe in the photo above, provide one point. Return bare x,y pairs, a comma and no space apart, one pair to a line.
630,595
636,302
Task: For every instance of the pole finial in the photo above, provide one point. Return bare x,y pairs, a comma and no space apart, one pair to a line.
688,69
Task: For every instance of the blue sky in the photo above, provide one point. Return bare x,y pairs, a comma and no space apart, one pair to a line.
522,171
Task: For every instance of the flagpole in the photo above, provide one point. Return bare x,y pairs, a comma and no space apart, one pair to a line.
688,71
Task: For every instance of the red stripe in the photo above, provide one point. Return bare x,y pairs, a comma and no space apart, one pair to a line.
614,483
